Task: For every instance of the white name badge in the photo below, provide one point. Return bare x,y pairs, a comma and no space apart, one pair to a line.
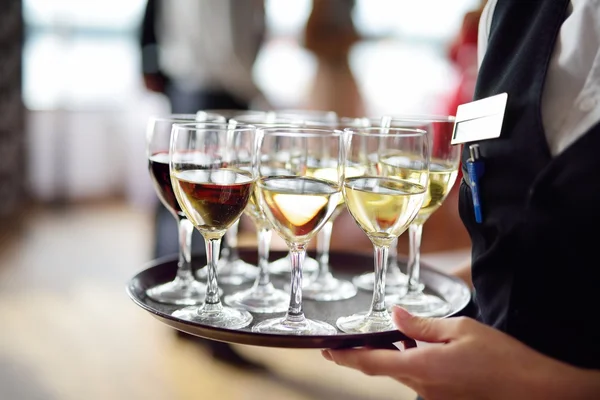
479,120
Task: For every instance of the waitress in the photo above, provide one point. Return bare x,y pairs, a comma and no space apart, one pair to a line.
535,260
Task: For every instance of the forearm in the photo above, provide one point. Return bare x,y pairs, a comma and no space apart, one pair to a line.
586,384
562,381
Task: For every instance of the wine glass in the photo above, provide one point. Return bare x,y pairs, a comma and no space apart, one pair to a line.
213,171
322,285
275,119
396,281
383,201
443,171
231,268
297,205
229,113
184,289
262,297
315,116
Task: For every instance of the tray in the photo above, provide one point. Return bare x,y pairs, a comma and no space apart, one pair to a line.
343,265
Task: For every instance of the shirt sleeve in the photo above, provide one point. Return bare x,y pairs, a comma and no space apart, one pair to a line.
233,72
485,23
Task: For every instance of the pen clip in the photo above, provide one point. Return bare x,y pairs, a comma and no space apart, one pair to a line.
475,170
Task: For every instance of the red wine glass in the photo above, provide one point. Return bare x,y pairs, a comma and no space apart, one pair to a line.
184,289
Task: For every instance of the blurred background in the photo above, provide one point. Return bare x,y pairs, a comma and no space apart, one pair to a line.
77,207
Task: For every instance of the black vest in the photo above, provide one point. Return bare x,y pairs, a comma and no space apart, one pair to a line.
536,256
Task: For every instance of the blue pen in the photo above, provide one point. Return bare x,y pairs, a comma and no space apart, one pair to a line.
475,170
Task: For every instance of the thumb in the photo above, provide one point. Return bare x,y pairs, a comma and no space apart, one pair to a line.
432,330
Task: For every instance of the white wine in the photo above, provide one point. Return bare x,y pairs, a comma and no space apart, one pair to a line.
442,176
253,209
441,180
404,168
331,174
383,207
297,207
254,212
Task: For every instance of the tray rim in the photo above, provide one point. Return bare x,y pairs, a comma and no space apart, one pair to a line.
277,340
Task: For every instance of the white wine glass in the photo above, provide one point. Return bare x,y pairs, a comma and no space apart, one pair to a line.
231,268
443,171
337,290
228,113
184,289
213,172
262,297
383,202
315,116
275,119
297,205
321,285
396,281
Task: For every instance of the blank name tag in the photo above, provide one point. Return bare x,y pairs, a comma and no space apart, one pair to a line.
479,120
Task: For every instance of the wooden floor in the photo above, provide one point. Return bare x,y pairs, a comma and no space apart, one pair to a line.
68,330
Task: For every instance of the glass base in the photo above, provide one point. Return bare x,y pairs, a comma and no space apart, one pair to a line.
366,322
420,304
284,266
232,273
327,289
261,299
281,326
178,292
395,283
215,315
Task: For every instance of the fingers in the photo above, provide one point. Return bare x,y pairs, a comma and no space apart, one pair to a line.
371,361
381,364
412,364
431,330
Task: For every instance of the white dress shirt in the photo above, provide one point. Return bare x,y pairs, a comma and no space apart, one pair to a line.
571,96
212,44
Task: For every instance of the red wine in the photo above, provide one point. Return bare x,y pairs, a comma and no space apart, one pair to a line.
213,199
158,165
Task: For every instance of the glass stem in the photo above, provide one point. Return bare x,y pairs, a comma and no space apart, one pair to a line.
381,261
295,314
323,242
212,302
415,232
263,280
184,266
393,267
231,242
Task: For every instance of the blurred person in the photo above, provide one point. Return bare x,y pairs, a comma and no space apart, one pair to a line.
12,112
535,337
462,53
200,55
329,35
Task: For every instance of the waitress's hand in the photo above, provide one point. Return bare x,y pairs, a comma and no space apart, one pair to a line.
470,361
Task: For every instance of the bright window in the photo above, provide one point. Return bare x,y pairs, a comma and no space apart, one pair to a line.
84,54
